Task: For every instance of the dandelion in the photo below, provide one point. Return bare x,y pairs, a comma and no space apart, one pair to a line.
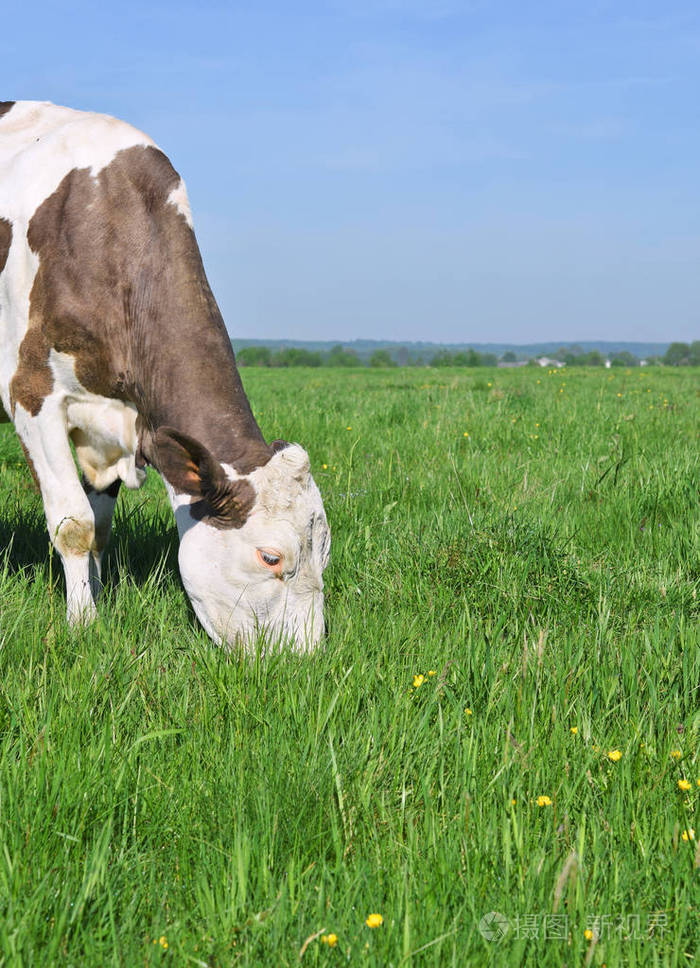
573,730
163,942
588,934
544,801
684,784
688,834
468,712
330,939
513,802
418,681
676,754
348,428
489,384
374,921
325,467
614,755
466,433
432,672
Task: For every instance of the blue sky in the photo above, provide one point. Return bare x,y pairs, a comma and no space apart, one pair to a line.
405,169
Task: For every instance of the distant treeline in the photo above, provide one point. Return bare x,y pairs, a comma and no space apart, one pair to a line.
340,356
678,354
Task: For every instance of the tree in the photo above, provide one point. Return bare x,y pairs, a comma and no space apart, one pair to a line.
381,358
695,353
624,359
509,357
339,356
254,356
678,354
294,356
403,357
442,358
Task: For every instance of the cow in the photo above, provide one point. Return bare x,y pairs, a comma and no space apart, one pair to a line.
110,338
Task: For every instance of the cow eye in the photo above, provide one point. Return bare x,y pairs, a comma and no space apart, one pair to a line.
268,557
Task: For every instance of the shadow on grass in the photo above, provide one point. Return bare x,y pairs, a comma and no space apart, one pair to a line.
144,540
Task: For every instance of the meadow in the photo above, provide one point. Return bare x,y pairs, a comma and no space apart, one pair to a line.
496,748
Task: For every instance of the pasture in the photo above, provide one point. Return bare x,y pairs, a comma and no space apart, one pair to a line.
512,598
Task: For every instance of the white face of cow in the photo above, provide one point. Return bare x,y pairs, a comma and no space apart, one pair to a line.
265,571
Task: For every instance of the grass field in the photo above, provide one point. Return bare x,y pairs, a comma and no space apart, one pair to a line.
525,541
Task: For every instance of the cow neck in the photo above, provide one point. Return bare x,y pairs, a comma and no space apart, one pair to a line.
192,384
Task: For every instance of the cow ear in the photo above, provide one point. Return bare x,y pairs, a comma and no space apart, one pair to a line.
185,463
191,468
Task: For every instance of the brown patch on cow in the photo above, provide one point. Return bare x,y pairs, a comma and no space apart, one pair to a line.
74,537
5,107
191,469
33,379
5,241
121,288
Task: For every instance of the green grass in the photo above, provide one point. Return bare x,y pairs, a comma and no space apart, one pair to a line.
545,566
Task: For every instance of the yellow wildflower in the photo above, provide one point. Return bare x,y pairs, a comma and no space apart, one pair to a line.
432,672
468,712
348,428
466,434
684,784
588,934
418,681
676,754
325,467
374,921
688,834
544,801
163,942
573,730
330,939
614,755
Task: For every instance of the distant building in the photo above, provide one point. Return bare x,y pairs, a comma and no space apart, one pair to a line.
546,361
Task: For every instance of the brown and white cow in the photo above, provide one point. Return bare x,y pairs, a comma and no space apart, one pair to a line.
110,337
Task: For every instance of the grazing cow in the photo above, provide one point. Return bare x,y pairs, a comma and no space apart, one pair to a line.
111,338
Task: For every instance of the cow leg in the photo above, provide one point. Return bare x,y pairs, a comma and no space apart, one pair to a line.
69,515
102,504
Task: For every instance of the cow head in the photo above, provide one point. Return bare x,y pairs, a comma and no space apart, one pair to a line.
252,547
